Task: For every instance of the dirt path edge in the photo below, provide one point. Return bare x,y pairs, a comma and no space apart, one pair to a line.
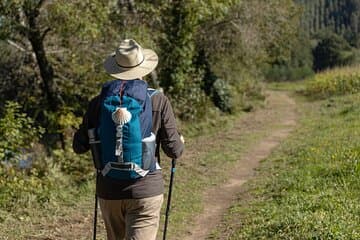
215,204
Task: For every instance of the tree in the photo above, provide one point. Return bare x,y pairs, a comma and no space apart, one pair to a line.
254,34
178,46
332,50
20,20
181,74
340,17
55,37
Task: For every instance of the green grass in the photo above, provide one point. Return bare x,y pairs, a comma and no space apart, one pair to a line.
310,187
292,86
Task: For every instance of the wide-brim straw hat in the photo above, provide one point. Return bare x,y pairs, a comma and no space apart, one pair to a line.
130,61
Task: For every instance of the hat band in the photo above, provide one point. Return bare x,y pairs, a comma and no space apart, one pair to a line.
131,66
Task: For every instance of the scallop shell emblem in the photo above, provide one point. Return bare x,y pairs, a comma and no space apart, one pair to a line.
121,116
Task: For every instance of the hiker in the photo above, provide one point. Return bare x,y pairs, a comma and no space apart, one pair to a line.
130,204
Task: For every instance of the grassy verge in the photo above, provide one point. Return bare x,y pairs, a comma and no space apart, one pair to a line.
308,188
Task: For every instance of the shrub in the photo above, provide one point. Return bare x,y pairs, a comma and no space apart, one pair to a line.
24,188
288,73
337,81
18,132
24,170
191,103
221,95
29,177
79,168
250,92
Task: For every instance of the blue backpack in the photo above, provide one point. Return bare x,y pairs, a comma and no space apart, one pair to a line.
124,130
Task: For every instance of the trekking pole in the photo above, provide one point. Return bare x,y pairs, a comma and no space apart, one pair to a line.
173,163
96,154
95,209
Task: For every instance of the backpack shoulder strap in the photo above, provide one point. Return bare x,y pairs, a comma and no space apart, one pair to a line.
94,112
152,92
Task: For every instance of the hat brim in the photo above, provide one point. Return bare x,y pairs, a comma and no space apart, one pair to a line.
147,66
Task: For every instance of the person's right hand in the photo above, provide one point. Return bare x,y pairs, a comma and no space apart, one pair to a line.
182,139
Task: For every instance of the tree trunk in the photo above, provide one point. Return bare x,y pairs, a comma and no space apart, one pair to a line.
129,4
36,38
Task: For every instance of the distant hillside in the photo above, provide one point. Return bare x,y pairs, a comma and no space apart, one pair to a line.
339,16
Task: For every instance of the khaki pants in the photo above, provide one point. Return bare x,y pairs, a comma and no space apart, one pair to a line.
131,219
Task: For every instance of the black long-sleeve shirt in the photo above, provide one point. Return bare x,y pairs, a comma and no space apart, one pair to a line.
164,127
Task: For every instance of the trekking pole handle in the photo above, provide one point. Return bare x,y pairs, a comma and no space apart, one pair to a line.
173,165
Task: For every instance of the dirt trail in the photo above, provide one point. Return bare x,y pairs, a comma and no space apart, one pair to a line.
278,119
